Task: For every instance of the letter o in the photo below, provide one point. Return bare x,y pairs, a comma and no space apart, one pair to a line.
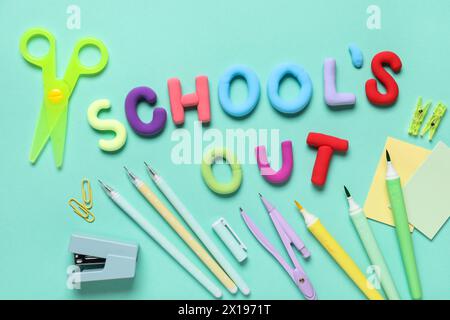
273,88
208,176
224,88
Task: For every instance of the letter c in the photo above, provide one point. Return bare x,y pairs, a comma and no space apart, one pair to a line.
159,114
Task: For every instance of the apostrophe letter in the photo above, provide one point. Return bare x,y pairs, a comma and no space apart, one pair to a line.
334,99
326,145
270,175
199,99
132,100
106,125
378,62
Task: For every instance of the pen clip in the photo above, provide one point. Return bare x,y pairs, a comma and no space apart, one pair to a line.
228,227
230,239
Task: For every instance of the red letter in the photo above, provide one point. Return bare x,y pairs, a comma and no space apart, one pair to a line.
381,59
326,146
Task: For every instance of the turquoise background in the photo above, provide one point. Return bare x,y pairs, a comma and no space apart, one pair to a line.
151,41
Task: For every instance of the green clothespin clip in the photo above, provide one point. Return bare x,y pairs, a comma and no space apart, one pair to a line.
419,115
434,121
52,121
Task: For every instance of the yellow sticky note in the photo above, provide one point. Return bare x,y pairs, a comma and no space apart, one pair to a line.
406,159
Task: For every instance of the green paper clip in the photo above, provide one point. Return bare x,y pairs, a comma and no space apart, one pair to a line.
52,123
434,121
419,115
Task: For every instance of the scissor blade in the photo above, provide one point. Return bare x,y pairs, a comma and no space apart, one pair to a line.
41,135
58,137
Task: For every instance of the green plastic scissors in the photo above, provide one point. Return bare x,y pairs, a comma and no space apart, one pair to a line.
52,121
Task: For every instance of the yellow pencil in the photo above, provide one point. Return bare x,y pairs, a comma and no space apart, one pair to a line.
172,220
338,253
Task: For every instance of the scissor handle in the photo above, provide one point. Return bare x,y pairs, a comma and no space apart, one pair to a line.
76,68
47,61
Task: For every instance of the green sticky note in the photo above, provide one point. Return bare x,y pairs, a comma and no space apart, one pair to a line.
427,192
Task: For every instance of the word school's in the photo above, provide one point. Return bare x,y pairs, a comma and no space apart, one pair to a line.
200,99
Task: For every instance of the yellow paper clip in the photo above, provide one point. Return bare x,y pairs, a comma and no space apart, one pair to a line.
83,209
87,197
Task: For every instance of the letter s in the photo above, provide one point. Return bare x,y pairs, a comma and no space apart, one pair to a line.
380,60
106,125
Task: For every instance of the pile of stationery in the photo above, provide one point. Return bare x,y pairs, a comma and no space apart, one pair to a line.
409,190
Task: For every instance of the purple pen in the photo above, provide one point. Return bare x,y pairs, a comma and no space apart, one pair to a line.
288,237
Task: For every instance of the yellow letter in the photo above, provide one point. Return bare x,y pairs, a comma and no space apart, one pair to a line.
106,125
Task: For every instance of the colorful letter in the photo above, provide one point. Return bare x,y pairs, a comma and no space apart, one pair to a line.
378,62
223,188
332,97
356,55
199,99
106,125
326,145
252,81
270,175
273,88
159,114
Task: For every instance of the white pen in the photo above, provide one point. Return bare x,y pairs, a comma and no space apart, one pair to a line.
161,240
198,230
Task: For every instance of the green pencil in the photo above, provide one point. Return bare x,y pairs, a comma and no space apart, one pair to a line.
371,247
400,216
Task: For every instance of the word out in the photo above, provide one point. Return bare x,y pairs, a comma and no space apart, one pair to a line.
326,146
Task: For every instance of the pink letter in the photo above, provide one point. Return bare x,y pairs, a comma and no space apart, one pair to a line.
199,99
282,175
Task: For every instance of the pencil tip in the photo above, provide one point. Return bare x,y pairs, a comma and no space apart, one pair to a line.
347,192
299,206
388,156
130,174
260,194
152,172
105,187
240,209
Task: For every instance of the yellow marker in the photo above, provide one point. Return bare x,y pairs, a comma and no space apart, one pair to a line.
338,253
182,232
